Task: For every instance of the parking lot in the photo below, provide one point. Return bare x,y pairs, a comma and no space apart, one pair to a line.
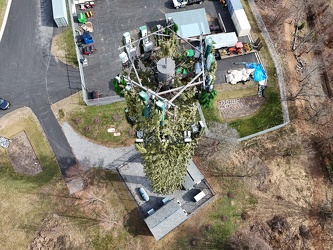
112,18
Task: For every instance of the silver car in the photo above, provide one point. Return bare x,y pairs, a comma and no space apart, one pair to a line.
144,194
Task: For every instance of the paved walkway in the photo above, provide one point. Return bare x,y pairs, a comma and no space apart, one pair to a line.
90,154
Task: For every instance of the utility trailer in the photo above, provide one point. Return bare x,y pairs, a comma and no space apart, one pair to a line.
60,13
221,40
238,17
182,3
241,22
234,5
239,49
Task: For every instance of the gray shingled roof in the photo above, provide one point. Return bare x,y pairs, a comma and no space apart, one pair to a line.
165,219
194,172
188,183
192,176
191,23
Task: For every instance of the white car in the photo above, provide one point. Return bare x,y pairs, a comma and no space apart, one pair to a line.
183,3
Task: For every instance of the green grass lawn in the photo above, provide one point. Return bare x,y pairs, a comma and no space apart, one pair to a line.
42,150
90,224
66,41
94,121
21,207
228,91
226,213
3,5
269,115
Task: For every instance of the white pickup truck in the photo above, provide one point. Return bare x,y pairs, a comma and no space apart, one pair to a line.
182,3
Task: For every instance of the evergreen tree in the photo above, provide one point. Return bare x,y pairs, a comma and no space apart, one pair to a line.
164,152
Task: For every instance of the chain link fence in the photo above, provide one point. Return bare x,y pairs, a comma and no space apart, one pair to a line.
279,72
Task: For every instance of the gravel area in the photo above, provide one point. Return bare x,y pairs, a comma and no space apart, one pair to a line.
93,155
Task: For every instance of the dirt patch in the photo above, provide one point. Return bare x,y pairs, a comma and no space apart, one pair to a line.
239,107
22,155
58,233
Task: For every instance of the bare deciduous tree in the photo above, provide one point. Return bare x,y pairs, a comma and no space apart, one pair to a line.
247,240
221,139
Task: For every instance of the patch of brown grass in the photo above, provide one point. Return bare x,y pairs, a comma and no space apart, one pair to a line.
65,106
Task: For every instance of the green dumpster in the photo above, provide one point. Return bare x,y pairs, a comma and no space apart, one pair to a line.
82,18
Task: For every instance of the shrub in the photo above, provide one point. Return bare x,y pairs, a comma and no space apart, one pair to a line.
115,118
87,128
77,121
301,26
119,86
193,242
330,171
230,195
96,120
206,99
245,215
61,113
131,132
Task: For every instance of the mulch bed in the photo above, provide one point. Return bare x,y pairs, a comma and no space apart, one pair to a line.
239,107
22,156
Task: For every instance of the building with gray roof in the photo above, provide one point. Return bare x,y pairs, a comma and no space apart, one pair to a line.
163,213
193,176
165,219
191,23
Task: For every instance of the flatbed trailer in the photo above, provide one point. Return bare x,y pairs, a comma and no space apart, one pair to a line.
224,53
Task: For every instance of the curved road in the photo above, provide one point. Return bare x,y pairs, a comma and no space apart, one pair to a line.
29,76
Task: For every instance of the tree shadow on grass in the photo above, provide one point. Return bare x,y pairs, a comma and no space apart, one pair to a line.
134,223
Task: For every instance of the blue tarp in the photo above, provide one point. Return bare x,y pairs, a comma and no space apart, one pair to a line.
259,73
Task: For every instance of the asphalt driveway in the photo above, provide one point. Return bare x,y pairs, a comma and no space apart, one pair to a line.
30,76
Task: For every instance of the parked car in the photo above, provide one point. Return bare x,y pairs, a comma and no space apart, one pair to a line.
4,104
183,3
144,194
